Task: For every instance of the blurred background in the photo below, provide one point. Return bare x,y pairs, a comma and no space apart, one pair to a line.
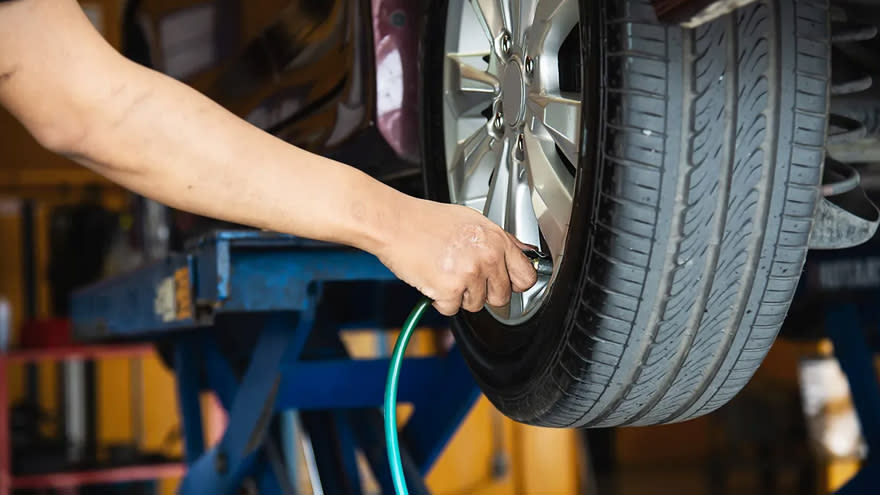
104,420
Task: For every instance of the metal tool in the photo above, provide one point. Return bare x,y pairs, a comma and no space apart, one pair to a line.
541,261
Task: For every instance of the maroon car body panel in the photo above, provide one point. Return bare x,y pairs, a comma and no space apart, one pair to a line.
396,39
325,75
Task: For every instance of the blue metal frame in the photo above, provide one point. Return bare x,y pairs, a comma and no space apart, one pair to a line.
296,295
186,366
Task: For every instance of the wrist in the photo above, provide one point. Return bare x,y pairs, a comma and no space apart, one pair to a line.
378,215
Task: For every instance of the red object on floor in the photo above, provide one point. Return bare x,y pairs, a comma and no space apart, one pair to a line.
64,353
51,332
113,475
65,482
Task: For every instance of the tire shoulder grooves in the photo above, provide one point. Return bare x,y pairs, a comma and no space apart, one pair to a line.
762,303
694,326
747,279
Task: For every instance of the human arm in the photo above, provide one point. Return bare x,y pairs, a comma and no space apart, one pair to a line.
162,139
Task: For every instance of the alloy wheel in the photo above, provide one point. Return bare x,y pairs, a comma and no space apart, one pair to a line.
512,122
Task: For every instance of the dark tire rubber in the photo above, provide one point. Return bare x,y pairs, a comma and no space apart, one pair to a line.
696,190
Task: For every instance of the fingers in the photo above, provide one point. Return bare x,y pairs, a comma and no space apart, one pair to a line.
448,307
474,296
486,273
520,278
498,283
473,293
522,273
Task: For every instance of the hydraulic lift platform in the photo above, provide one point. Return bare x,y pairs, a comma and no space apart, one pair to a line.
256,317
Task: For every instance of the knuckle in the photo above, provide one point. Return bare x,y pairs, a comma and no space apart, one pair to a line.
473,308
446,309
470,269
452,287
499,300
524,285
473,300
449,298
492,257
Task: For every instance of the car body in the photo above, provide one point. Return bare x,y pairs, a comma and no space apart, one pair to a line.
336,77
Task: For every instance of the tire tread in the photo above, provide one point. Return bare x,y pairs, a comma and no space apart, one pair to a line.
729,232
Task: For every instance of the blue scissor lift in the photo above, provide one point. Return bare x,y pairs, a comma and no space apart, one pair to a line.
256,317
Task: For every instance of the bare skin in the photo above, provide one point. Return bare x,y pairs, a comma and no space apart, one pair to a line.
162,139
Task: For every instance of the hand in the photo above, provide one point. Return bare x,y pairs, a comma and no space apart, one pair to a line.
457,257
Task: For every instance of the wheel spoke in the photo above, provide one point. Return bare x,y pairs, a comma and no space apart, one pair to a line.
469,76
552,21
493,16
521,220
498,196
474,160
469,89
552,187
560,117
516,305
522,14
533,293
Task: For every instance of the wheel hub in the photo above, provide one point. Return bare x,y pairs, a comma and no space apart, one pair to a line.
513,90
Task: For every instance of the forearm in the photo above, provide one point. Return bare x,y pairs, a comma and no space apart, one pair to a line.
158,137
162,139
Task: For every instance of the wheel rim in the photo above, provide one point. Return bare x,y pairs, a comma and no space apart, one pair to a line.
512,123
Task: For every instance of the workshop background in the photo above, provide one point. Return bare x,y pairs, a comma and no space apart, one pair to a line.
103,419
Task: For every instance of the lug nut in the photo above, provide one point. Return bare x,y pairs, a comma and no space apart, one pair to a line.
506,43
530,66
499,121
520,143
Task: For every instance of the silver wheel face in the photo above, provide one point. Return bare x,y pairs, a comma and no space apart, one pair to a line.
511,134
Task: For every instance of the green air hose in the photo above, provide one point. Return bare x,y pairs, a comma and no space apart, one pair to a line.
406,332
543,266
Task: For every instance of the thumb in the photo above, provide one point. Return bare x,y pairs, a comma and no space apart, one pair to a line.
521,245
522,273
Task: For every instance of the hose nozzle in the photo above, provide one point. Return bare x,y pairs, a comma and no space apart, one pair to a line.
541,261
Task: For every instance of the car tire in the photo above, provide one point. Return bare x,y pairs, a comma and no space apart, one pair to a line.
695,189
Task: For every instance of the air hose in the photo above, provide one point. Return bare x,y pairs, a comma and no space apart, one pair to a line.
391,442
543,266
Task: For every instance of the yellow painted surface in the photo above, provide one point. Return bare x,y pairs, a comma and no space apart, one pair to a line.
169,486
114,406
160,407
160,412
466,464
11,278
547,460
541,461
839,471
